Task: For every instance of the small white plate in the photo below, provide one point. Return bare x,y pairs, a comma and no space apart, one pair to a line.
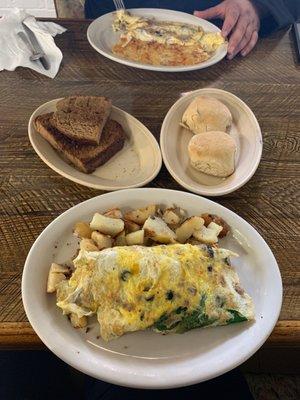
245,131
135,165
102,37
146,359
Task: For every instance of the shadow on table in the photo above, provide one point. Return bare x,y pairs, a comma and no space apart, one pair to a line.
35,375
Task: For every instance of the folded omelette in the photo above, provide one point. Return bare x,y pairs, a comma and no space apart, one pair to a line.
155,42
168,288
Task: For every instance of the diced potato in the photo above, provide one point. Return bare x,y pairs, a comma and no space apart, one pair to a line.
102,241
208,218
120,239
54,279
208,235
63,269
131,226
135,238
82,230
188,227
78,322
158,230
56,275
114,213
140,215
88,245
171,217
107,225
215,227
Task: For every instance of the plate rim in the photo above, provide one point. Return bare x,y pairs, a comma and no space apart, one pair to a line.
141,381
150,67
209,191
155,146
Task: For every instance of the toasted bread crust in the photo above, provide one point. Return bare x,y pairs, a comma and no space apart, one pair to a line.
82,118
85,158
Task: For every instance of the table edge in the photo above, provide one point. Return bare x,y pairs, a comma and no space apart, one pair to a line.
20,335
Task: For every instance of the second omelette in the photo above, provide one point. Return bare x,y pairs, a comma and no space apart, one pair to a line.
166,288
164,43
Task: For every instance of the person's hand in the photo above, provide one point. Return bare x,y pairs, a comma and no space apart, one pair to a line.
241,21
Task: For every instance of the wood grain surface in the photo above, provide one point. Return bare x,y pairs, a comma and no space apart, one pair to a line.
32,195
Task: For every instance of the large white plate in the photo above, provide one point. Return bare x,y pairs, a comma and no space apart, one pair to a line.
245,131
135,165
147,359
102,37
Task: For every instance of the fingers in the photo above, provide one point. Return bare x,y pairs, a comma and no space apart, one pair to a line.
244,40
229,22
236,37
242,23
213,12
246,50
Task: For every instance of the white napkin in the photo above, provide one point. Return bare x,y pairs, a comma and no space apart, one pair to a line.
15,53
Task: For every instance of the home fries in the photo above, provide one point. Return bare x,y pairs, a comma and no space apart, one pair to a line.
164,43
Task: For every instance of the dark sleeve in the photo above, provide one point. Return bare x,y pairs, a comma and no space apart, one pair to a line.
277,14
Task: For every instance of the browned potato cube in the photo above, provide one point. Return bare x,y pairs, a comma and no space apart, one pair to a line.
156,229
188,227
88,245
102,241
78,322
56,275
140,215
208,218
114,213
131,226
120,239
107,225
135,238
82,230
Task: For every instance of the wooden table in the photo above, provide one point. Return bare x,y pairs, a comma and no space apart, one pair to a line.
32,195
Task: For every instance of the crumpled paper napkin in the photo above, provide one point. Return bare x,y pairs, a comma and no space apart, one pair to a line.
15,53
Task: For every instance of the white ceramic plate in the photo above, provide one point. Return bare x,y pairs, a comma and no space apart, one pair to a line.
102,37
135,165
245,131
147,359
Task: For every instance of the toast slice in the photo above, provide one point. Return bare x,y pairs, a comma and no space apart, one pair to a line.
84,157
82,118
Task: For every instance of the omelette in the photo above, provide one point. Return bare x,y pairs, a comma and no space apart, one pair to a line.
166,43
168,288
